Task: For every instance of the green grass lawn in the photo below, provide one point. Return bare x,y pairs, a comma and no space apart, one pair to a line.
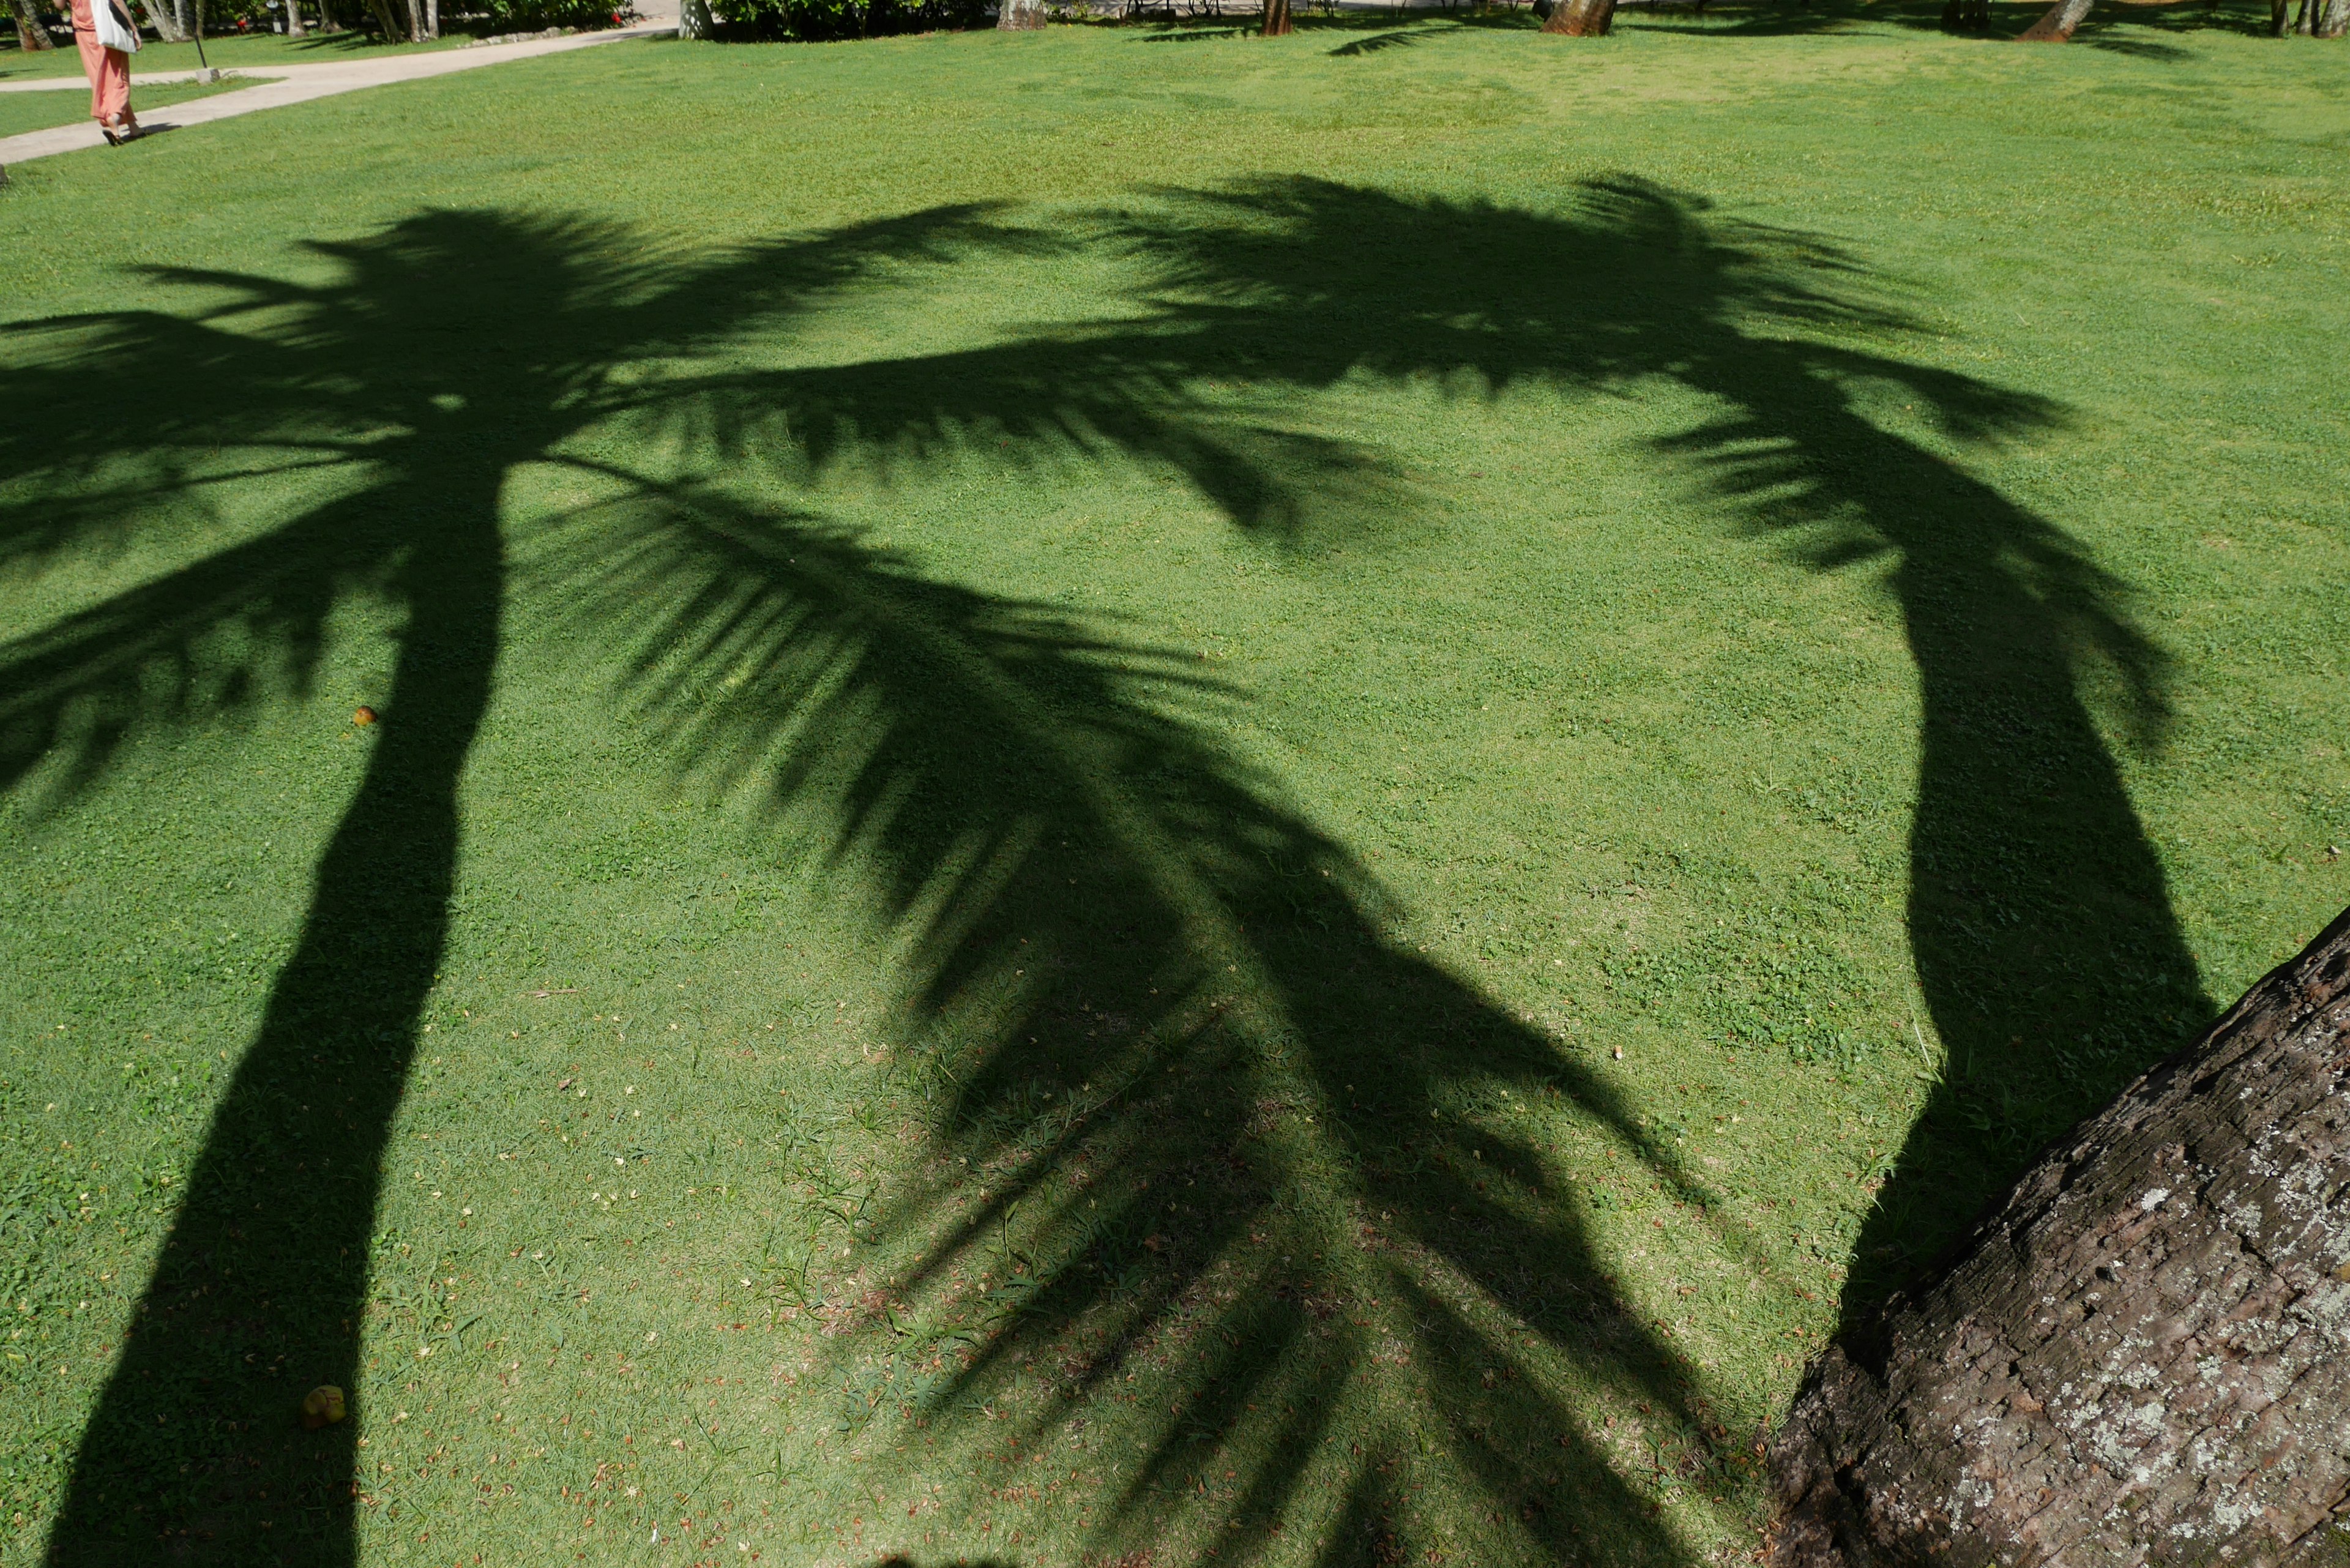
1141,797
22,112
241,51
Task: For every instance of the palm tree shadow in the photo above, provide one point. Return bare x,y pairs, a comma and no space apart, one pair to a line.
1191,978
2040,928
422,404
1210,1105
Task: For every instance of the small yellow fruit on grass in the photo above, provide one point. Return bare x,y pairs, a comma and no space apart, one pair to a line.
363,715
322,1406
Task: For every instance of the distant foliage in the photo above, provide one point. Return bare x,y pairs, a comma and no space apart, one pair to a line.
495,16
817,20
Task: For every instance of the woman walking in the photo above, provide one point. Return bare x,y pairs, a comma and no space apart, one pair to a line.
106,36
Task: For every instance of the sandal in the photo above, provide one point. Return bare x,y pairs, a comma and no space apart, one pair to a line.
120,132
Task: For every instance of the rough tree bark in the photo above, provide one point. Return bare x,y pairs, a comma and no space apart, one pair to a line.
295,27
1019,15
2143,1356
1581,18
1276,18
2334,22
30,34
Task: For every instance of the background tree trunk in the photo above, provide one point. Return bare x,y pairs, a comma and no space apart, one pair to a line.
2143,1354
1581,18
30,34
1019,15
2335,21
294,25
2056,27
166,24
1276,17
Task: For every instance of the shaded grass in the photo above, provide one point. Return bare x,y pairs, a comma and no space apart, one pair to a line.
1025,799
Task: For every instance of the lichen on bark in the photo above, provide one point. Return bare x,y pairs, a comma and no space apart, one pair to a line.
2142,1356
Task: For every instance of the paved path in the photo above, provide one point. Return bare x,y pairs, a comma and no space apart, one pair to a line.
296,83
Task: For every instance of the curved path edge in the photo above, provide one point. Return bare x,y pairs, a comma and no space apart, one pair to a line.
302,82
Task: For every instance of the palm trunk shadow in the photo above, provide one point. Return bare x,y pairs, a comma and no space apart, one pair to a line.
2040,928
259,1290
2040,922
195,1450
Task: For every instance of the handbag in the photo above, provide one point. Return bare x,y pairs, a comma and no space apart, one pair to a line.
113,26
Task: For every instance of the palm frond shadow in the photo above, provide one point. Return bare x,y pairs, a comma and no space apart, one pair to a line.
1205,1116
1395,38
1204,1107
1198,1080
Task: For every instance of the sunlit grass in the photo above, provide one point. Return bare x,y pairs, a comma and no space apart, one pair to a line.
39,110
1130,891
235,51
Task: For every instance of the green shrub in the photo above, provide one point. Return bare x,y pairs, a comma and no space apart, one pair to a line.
495,16
816,21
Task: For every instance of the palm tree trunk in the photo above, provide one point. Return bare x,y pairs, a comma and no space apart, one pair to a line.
1581,18
294,27
2056,27
167,25
30,35
2184,1226
1276,18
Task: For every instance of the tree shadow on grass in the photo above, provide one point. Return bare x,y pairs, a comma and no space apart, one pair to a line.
420,405
1214,1109
1393,38
2119,29
1221,1125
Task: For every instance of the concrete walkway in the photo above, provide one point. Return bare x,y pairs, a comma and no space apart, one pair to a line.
296,83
